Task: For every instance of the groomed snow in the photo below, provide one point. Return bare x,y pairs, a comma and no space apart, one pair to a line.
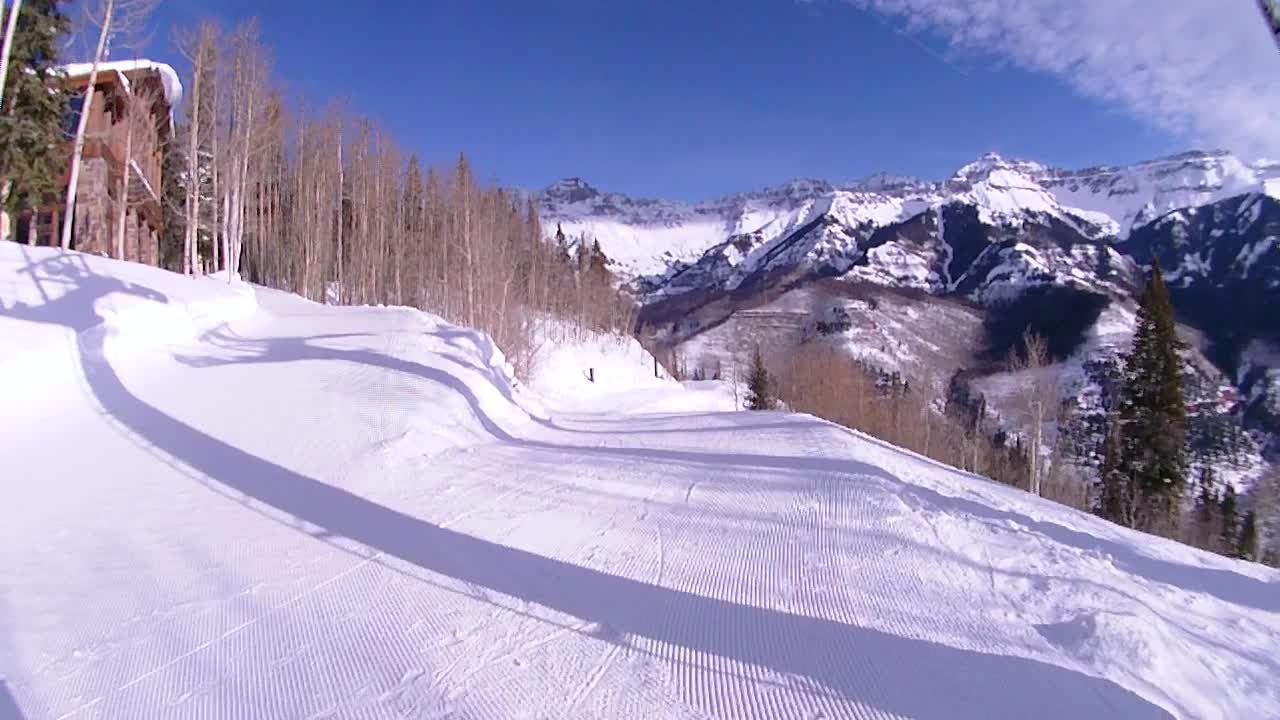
587,371
224,501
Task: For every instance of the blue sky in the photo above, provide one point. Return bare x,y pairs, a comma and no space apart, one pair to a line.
691,98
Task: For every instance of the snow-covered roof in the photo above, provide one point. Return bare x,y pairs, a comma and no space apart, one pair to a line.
168,76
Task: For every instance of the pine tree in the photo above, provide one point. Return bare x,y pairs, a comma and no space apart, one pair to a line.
1230,529
759,386
562,246
1153,413
597,265
1206,510
1247,547
1115,486
32,151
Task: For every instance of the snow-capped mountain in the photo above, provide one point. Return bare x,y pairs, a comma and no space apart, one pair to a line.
987,236
665,247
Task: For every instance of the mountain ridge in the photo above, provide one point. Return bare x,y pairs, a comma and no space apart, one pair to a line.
651,241
998,228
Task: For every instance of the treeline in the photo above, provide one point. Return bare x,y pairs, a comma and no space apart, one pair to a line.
330,207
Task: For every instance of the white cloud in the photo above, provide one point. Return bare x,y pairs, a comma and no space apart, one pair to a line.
1207,69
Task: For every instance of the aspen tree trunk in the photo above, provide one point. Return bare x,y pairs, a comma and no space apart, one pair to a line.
260,208
225,223
468,257
217,229
368,279
1037,421
233,259
317,221
400,239
77,151
375,206
341,288
446,239
297,215
191,236
10,29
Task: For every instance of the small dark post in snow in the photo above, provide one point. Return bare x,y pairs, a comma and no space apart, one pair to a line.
655,367
591,374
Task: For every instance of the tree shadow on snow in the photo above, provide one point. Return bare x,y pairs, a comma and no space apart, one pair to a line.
901,675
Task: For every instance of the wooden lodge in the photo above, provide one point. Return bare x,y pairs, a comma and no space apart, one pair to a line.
130,122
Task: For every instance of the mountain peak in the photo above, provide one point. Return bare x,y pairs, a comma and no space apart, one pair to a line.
571,189
796,187
991,162
885,181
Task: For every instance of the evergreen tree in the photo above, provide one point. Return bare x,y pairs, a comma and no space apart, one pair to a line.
760,384
1153,413
562,246
1247,547
1230,532
33,154
597,269
1206,510
172,199
1116,491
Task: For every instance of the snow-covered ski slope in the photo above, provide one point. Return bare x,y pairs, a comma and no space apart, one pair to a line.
222,501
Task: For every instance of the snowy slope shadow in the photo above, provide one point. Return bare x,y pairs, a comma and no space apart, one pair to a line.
9,709
899,675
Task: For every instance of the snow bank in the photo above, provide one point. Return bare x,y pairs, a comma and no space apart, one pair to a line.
168,76
65,316
51,301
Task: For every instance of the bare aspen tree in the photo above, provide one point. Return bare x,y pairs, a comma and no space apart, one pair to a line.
349,217
245,95
341,220
200,52
216,102
1038,396
137,108
77,150
464,237
111,17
